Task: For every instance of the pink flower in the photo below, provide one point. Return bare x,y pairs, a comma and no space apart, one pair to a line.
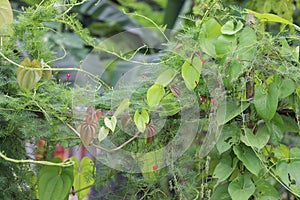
212,101
155,167
203,61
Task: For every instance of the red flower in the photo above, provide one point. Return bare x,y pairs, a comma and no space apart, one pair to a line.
155,167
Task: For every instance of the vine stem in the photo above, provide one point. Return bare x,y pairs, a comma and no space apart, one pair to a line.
103,148
58,69
207,12
68,163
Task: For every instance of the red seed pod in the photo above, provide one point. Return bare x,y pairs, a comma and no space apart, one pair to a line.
59,152
175,90
39,152
68,76
150,131
202,99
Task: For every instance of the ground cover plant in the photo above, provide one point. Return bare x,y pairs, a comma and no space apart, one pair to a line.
209,111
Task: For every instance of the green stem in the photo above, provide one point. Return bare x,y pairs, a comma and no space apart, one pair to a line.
68,163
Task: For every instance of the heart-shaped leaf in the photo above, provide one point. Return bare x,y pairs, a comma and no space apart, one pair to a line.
289,174
169,105
229,135
6,14
154,94
241,188
55,182
110,123
166,77
225,168
248,157
266,101
259,140
84,176
190,75
231,27
103,132
141,119
286,87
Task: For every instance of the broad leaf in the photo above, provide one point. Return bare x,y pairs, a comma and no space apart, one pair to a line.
248,157
110,123
232,72
289,174
85,176
103,132
241,188
229,135
258,140
266,101
122,107
141,119
221,193
231,27
154,94
169,105
265,191
225,168
55,182
247,44
225,44
286,88
190,75
270,17
210,31
227,110
166,77
6,15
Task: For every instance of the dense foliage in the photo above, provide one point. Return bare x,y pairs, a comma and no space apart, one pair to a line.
223,91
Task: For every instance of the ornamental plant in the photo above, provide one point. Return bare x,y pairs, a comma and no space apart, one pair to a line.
214,116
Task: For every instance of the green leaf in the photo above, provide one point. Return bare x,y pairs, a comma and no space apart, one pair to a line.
290,124
265,191
225,44
103,132
248,157
169,106
141,119
233,72
259,140
228,109
231,27
166,77
55,182
209,33
85,176
241,188
282,152
122,107
190,75
289,174
221,193
229,135
286,87
266,101
154,94
276,128
6,14
270,17
247,44
110,123
225,168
